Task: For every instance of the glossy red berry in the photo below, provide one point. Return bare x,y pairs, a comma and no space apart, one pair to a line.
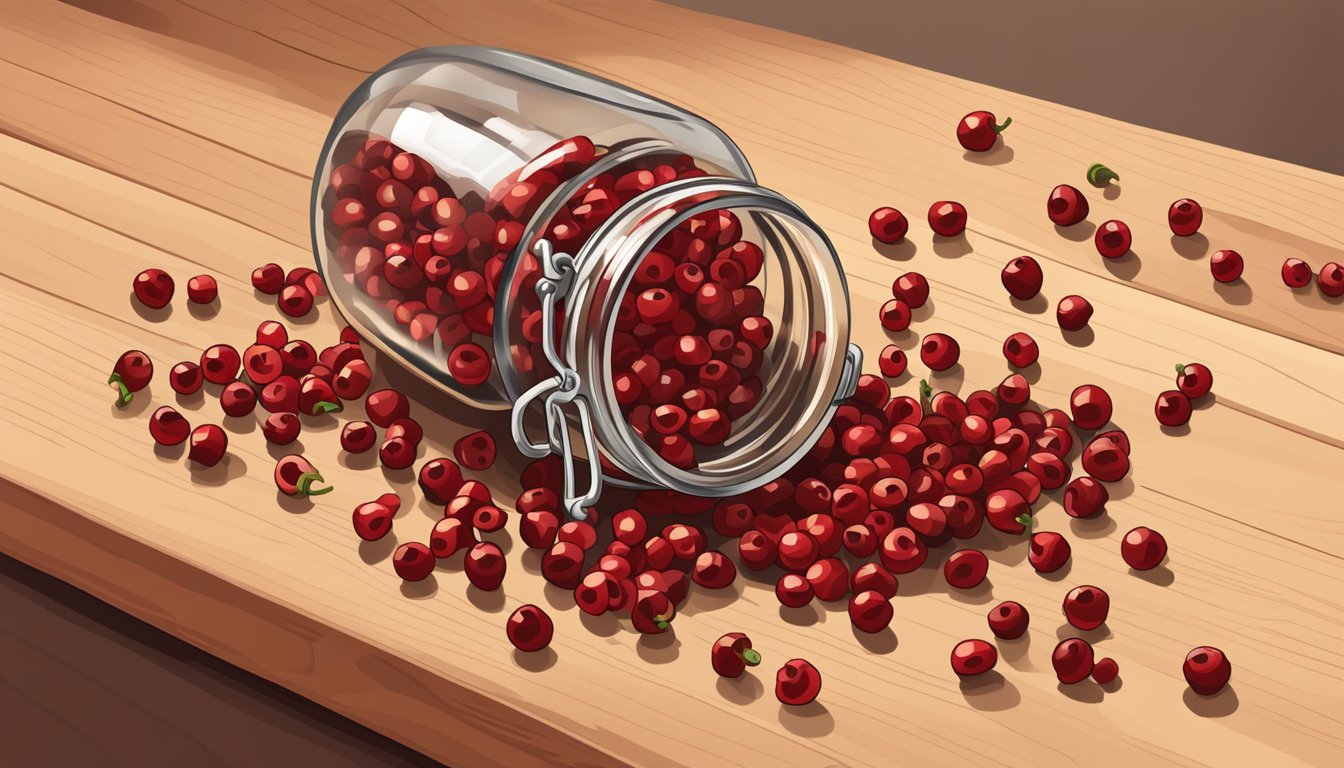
1084,497
1194,380
268,278
973,657
238,398
1072,660
131,373
530,629
168,427
1066,206
912,288
413,561
1105,671
1086,607
1022,277
894,315
1113,239
1073,313
1143,549
978,130
281,428
1172,408
1184,217
1226,266
947,218
153,288
397,453
220,364
870,611
1020,350
295,301
1296,273
1105,459
1207,670
208,445
1048,552
372,520
357,436
1091,406
1008,620
797,683
888,225
732,653
440,479
966,568
939,351
485,566
386,406
891,361
1331,280
185,378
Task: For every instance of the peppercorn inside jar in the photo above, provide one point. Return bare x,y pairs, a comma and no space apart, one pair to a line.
527,236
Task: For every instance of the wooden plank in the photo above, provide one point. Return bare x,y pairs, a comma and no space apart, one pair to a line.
287,592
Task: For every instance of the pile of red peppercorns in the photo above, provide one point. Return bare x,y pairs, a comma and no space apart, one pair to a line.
889,481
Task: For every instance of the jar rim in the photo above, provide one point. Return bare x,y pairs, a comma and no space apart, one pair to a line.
609,260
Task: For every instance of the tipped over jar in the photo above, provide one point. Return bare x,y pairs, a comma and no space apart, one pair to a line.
527,236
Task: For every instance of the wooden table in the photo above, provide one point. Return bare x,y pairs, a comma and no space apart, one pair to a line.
181,136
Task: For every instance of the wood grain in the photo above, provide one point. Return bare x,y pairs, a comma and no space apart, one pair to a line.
180,136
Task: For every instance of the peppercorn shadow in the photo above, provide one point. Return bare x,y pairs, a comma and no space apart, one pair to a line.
241,425
1066,630
1032,373
741,690
902,251
1036,305
922,312
1014,652
489,601
951,247
606,625
278,452
1112,190
980,594
662,648
1237,293
1311,296
1126,266
230,467
803,616
150,315
295,505
374,552
535,661
364,460
170,453
1080,232
989,692
999,154
877,643
1220,704
1098,526
420,590
949,380
1194,246
811,720
557,598
1161,576
1060,573
702,600
1080,338
1086,692
1180,430
204,311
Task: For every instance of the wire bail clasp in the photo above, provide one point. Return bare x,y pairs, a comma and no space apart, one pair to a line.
560,391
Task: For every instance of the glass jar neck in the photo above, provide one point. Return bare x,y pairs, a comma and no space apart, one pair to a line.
813,367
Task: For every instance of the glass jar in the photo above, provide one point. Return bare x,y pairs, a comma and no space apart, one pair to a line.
524,235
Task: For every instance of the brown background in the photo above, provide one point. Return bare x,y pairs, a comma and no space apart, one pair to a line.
1241,73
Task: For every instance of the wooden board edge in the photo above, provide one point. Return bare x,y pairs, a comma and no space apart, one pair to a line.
436,716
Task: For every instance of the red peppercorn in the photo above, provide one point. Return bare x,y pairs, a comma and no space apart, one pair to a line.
268,279
1184,217
1073,313
1331,280
939,351
1084,497
966,568
1296,273
894,315
1066,206
530,629
1020,350
912,288
1226,266
413,561
1113,239
973,657
202,289
153,288
1009,620
887,225
1022,277
947,218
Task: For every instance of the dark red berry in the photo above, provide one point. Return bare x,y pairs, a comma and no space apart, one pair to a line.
168,427
386,406
894,315
1194,380
413,561
973,657
1084,497
1105,671
912,288
1331,280
1072,660
978,130
1022,277
1086,607
475,451
1048,552
939,351
485,566
1066,206
966,568
281,428
870,611
131,373
1020,350
397,453
1296,273
732,653
202,289
357,436
947,218
530,629
1226,265
797,683
888,225
1073,313
1207,670
1172,408
185,378
1008,620
891,361
220,363
372,520
440,479
1113,239
1143,549
153,288
1184,217
268,278
208,445
1091,406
